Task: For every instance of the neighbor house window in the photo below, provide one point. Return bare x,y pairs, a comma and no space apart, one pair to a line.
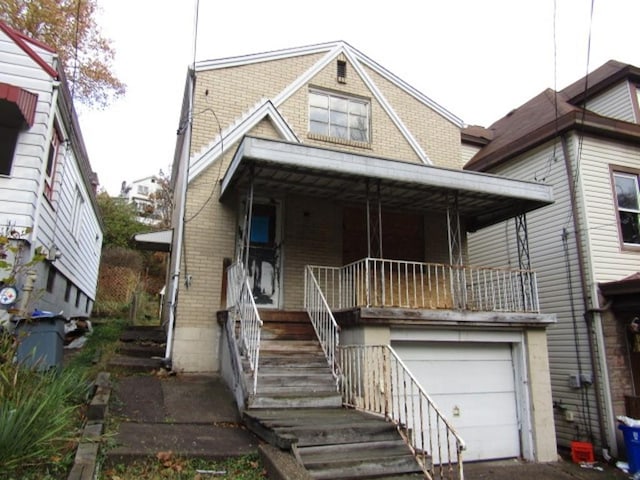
67,291
338,116
51,278
628,201
52,161
77,213
8,141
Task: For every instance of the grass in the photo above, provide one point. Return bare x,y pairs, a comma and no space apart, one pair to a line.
42,413
166,466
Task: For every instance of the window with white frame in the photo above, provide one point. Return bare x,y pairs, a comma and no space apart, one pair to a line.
77,214
52,161
628,202
338,116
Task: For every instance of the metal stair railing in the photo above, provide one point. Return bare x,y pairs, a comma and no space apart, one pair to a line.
375,379
324,323
240,301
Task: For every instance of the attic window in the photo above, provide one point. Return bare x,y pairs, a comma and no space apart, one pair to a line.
342,71
338,116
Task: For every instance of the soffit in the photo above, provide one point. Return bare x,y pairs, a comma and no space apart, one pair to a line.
279,168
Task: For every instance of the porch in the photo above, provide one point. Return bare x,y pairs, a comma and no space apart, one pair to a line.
340,255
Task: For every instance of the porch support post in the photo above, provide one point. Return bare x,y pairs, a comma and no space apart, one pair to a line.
524,262
456,277
247,225
374,224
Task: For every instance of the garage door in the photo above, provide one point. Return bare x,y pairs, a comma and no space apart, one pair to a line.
473,386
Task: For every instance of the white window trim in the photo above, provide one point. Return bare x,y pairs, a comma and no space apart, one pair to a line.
350,99
619,209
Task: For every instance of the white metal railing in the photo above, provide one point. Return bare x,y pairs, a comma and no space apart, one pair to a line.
322,319
240,301
374,379
375,282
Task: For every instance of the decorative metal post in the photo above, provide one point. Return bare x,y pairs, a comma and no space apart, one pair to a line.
457,278
524,262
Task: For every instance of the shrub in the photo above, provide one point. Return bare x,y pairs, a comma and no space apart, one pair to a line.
38,410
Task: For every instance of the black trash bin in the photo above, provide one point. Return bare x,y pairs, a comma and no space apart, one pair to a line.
632,444
40,341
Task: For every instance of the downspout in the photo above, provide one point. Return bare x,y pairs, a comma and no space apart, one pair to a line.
583,283
178,231
50,127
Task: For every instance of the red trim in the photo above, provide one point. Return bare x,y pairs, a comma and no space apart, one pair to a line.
21,41
24,100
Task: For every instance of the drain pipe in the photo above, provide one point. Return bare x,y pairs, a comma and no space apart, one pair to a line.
178,231
583,283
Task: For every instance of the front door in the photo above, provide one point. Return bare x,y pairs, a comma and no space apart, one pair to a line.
263,267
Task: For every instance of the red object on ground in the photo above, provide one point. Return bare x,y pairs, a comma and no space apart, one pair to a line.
582,452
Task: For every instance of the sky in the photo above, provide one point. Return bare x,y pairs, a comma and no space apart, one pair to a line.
477,59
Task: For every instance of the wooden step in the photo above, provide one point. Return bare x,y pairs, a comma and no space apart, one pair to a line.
288,400
349,469
358,460
290,346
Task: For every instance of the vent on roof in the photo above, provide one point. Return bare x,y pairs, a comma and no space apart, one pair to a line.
342,71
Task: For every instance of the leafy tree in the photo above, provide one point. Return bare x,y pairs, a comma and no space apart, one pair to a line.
119,219
69,26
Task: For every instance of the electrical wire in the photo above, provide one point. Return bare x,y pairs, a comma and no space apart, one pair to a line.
75,54
583,112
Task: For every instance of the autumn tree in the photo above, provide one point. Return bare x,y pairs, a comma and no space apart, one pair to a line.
120,223
69,26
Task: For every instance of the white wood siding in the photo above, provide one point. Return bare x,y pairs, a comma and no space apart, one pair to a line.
567,339
616,103
21,194
20,197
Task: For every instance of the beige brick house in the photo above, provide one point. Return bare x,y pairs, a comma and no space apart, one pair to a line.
313,180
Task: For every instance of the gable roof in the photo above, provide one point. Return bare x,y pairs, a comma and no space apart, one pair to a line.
550,114
26,44
331,51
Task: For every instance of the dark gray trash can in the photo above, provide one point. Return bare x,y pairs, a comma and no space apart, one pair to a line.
41,342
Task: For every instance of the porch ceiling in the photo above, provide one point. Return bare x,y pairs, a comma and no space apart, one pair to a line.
278,168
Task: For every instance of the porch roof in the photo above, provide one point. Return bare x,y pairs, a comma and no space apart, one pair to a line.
278,167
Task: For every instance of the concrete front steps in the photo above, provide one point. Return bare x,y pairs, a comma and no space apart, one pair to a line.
140,349
293,370
297,408
337,443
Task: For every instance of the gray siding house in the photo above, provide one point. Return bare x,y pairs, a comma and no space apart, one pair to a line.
585,142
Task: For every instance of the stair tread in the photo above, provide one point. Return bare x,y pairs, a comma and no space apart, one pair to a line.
359,469
361,450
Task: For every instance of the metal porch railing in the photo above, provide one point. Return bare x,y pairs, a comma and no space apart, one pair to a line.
322,319
375,282
374,379
240,302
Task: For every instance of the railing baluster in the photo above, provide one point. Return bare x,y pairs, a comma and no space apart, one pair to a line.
376,380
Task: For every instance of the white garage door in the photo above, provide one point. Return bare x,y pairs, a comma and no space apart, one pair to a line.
473,386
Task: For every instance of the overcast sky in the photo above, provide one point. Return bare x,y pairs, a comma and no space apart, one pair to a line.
478,59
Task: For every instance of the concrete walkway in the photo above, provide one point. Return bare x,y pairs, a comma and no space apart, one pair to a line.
191,416
195,416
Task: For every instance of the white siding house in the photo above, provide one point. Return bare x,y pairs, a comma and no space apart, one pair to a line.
585,246
47,187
